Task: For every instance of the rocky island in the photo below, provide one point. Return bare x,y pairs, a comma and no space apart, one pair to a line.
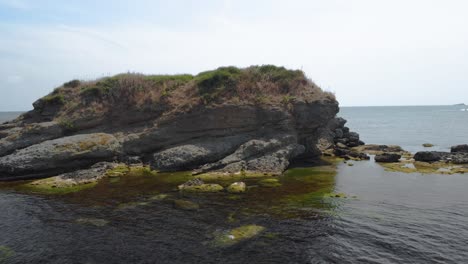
252,121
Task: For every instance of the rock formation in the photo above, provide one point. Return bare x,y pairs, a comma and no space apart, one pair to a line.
253,120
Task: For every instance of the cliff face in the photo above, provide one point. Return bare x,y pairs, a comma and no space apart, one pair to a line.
253,120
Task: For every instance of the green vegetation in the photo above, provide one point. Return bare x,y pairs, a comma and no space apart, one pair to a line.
67,125
72,84
56,99
212,83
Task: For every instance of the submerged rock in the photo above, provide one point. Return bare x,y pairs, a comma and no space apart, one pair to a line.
186,205
269,183
387,157
236,187
5,253
237,235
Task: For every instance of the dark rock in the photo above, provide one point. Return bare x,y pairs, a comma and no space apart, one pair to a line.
459,148
352,144
387,157
344,141
359,155
338,133
353,137
428,156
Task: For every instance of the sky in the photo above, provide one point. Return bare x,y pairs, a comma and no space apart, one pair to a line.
367,52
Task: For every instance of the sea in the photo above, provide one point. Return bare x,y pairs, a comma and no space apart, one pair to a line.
387,217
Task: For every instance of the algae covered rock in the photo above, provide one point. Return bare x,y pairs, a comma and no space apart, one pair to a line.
185,205
5,253
427,145
198,186
272,182
202,188
237,235
236,187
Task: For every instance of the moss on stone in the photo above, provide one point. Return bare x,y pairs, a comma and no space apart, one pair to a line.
271,182
202,188
56,186
124,170
237,235
236,187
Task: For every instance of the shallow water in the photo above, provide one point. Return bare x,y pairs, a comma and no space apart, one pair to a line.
395,218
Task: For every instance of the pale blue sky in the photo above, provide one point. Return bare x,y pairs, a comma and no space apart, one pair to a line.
368,52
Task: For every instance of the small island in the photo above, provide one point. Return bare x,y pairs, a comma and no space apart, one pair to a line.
221,124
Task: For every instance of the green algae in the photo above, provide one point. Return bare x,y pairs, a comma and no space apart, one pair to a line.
124,170
5,253
236,187
159,197
53,186
269,183
186,205
202,188
237,235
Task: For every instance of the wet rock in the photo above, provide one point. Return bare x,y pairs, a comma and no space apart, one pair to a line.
459,148
236,187
186,205
427,145
428,156
387,157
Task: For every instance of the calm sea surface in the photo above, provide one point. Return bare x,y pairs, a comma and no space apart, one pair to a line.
409,126
389,217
